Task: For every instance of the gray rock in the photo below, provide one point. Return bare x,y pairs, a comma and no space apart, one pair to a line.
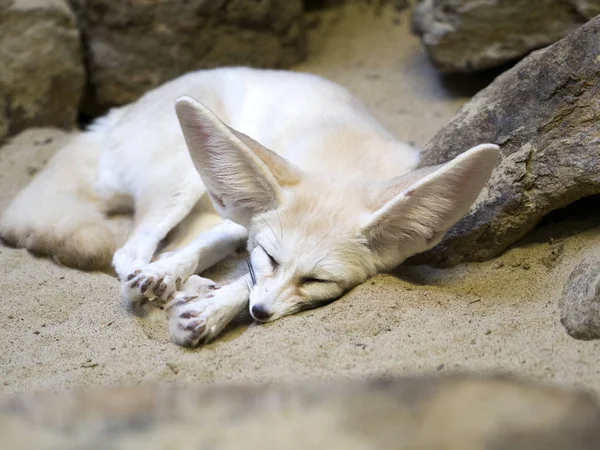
134,46
580,301
587,8
457,412
545,115
41,69
469,35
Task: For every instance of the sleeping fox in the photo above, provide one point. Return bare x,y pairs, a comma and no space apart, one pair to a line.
289,163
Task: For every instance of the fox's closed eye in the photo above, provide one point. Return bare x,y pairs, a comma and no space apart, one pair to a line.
273,261
306,280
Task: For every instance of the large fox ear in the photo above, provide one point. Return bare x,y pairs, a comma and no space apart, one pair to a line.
417,209
242,177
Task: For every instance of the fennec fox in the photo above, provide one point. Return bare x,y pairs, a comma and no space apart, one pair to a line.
292,163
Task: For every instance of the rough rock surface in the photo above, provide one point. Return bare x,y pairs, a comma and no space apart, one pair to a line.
41,65
580,301
135,46
468,35
545,115
495,413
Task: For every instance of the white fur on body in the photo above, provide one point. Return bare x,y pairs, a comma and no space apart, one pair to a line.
337,202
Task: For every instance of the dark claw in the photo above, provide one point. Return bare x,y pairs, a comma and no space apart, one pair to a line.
178,282
146,285
189,314
161,288
136,282
214,287
130,277
197,326
190,298
175,305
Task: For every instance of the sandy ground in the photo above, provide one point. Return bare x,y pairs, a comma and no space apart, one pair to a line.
66,329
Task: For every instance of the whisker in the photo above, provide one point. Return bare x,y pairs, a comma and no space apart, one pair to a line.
274,197
270,241
274,234
321,260
251,270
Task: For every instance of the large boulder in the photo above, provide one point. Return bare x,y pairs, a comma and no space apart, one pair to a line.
134,46
545,115
457,412
468,35
41,65
580,301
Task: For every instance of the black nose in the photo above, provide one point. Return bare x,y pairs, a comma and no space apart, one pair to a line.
260,313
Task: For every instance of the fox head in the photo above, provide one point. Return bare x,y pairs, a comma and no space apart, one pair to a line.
312,238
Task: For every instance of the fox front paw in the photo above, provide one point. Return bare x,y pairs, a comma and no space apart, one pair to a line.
198,315
149,284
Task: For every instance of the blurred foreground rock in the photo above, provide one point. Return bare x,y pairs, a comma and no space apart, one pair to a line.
41,65
468,35
545,115
135,46
429,413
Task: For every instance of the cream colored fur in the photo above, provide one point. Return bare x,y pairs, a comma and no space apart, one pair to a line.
325,196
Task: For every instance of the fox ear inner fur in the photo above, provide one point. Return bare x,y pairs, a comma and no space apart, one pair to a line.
243,178
423,205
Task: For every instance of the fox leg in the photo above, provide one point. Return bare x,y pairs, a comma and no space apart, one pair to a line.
154,217
161,278
201,310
